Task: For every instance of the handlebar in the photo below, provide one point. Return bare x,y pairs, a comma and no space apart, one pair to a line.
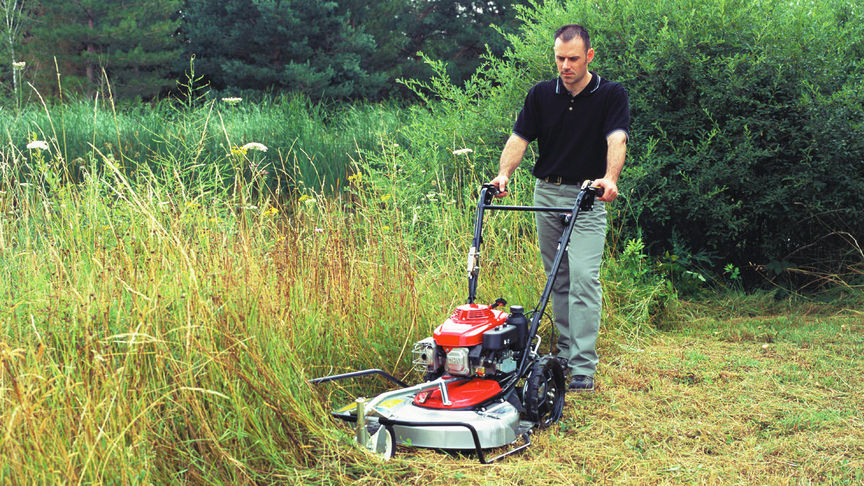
492,189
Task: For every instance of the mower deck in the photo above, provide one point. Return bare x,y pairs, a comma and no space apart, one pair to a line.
495,426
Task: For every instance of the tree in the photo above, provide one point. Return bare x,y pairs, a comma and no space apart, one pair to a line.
13,16
134,42
457,32
344,48
298,45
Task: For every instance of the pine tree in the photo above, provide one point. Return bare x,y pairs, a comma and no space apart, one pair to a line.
135,43
298,45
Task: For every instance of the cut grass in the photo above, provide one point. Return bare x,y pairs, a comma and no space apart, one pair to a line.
698,404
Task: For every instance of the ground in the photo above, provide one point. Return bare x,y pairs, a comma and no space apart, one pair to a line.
756,399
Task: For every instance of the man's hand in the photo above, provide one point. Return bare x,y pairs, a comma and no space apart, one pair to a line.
610,189
501,183
512,154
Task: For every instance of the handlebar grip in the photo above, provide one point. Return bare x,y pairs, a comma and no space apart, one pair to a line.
586,186
491,189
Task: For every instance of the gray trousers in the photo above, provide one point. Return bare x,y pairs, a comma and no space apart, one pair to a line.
576,295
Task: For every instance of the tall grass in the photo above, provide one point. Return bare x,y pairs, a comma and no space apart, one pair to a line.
162,307
309,144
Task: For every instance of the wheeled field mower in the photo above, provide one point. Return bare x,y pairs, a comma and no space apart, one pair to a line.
486,385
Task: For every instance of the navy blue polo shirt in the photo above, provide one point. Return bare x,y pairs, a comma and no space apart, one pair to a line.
570,130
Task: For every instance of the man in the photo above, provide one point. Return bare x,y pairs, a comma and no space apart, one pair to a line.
581,123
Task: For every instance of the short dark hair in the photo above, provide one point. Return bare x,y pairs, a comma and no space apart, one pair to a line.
569,31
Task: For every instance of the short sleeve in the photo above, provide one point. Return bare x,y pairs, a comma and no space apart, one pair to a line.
617,112
526,126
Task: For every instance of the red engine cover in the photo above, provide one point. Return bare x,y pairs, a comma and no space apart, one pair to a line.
467,325
462,394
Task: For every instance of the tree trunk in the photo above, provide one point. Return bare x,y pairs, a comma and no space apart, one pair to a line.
91,67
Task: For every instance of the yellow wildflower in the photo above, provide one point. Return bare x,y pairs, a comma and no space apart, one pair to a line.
307,200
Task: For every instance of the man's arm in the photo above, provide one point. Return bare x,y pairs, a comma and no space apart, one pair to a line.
616,152
511,156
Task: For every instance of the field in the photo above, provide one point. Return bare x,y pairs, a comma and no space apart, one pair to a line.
165,298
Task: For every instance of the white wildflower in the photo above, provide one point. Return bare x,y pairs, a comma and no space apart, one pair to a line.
19,65
254,146
232,100
37,144
462,151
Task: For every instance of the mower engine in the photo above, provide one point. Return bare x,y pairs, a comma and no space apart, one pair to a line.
476,341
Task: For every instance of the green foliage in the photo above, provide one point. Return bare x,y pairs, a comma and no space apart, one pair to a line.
298,45
746,142
457,32
637,294
133,42
310,146
344,49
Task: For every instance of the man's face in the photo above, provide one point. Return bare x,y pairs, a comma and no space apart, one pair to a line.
572,60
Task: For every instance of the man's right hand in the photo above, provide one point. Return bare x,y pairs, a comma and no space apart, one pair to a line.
501,183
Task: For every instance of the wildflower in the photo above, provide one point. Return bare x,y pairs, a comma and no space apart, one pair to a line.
462,151
385,228
37,144
307,200
386,197
232,100
192,204
254,146
319,230
271,211
356,177
213,220
19,66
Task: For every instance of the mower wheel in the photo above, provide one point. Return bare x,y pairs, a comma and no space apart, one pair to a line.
544,392
382,443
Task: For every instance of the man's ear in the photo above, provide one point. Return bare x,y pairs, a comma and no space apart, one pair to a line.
590,55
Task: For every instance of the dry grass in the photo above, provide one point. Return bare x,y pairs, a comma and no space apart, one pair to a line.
770,399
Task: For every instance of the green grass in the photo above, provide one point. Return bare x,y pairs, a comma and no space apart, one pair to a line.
309,145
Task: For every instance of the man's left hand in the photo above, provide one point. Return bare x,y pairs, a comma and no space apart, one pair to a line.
610,189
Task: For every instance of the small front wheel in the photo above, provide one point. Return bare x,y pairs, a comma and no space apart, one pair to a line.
382,442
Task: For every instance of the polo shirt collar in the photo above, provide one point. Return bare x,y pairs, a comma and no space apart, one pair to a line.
590,89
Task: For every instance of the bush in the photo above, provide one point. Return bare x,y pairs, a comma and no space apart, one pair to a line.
746,143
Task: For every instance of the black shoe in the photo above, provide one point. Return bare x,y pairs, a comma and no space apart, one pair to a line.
581,383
